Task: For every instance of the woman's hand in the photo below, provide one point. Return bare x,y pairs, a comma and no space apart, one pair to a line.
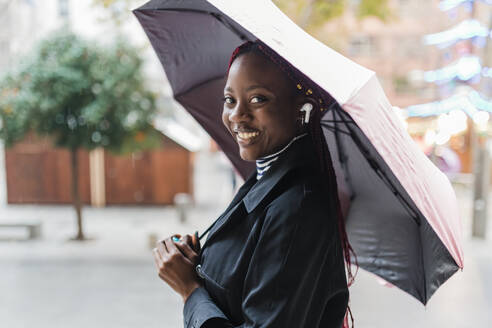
176,261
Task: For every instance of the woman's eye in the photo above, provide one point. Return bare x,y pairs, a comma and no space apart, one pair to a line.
228,100
257,99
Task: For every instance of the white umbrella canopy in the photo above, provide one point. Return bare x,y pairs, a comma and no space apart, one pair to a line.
400,210
336,74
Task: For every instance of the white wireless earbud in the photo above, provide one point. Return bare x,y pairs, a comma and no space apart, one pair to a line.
307,107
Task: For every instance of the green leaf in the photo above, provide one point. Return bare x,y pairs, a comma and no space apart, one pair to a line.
375,8
83,95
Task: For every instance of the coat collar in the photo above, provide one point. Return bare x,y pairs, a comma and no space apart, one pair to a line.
300,153
252,192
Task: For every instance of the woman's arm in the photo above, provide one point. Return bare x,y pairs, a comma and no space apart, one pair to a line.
200,311
296,266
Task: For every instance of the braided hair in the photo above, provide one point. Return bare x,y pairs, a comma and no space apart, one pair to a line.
305,86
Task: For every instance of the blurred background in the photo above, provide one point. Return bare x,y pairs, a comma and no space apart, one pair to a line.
95,167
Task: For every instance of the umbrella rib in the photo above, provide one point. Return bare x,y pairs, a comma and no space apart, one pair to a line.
228,25
335,121
395,192
375,166
217,16
324,123
182,93
334,128
343,156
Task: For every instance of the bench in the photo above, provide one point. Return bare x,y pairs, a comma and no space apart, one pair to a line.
33,227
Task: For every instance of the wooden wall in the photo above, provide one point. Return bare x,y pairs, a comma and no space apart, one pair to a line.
39,173
151,177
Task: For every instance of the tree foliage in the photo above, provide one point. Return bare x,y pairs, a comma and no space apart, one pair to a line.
374,8
310,14
82,95
117,11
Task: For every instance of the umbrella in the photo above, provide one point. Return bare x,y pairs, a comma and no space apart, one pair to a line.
400,210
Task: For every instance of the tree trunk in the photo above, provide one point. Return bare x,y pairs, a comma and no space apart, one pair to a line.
75,194
481,156
306,14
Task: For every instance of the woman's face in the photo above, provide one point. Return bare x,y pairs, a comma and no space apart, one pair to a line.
259,106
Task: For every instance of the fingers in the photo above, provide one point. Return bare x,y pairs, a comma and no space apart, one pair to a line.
192,241
161,247
161,269
169,250
171,246
163,264
176,264
159,264
187,239
186,247
157,258
187,251
175,255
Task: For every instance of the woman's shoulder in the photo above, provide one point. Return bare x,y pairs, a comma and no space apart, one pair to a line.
300,194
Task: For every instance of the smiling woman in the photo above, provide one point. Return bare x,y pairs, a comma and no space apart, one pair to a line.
260,110
263,264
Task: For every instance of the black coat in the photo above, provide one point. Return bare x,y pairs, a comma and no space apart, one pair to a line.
274,257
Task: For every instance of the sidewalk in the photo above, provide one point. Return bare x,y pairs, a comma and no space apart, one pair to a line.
111,281
108,281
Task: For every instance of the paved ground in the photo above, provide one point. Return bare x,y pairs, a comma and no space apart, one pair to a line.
110,281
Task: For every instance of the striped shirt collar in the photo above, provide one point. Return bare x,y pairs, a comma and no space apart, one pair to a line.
263,164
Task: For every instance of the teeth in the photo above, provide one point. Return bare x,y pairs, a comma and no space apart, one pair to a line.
247,135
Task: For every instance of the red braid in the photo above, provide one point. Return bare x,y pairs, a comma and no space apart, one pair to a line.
318,138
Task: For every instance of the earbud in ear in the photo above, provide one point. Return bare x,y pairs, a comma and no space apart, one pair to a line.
307,107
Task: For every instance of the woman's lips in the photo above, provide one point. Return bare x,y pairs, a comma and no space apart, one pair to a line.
246,137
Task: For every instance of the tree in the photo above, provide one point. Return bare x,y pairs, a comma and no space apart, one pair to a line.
117,11
311,14
81,95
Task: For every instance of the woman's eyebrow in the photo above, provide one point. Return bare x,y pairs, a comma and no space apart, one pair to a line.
252,87
258,87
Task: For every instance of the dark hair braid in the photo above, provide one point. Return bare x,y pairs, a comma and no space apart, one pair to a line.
304,85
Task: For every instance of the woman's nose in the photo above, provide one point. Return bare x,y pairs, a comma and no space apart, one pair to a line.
238,113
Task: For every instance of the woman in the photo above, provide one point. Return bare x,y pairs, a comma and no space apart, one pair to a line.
275,257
